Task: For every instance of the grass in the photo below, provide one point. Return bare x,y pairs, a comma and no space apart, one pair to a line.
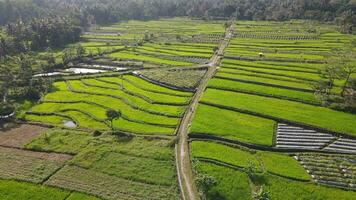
234,125
146,170
293,111
10,190
62,141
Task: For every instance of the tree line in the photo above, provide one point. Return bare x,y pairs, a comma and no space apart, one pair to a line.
87,12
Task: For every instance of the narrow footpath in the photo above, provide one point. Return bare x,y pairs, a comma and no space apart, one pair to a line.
183,162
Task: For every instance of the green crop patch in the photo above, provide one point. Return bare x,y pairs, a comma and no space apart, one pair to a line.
274,163
230,184
294,111
262,90
233,125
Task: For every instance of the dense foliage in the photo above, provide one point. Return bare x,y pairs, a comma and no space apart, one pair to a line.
38,34
90,11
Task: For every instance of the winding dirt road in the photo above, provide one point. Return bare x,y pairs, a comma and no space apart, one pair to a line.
183,162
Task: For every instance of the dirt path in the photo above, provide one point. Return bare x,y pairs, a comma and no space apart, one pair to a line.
184,168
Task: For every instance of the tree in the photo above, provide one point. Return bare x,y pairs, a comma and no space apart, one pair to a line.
111,115
332,71
261,194
350,95
346,59
6,81
80,51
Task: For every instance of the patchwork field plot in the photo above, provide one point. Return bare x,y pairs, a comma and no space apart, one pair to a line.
175,78
29,166
19,136
112,167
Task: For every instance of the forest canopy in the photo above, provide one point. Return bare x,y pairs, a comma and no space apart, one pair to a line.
86,12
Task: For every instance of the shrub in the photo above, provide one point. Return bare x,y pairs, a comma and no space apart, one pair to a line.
97,133
6,109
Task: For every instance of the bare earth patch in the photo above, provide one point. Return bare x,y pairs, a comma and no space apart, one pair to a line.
20,135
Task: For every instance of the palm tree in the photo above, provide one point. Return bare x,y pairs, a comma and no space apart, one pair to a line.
111,115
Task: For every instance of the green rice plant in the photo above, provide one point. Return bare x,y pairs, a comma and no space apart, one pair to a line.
139,102
234,156
283,165
137,89
275,163
132,56
282,188
49,119
233,125
293,111
265,80
112,103
218,83
153,87
85,121
278,72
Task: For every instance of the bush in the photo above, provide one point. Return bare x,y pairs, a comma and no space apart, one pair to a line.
6,109
97,133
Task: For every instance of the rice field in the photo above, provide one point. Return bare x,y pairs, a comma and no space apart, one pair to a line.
266,78
261,94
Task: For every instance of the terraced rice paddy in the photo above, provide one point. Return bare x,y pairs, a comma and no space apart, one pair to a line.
261,97
145,108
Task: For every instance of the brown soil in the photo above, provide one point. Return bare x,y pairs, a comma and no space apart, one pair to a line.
19,135
57,157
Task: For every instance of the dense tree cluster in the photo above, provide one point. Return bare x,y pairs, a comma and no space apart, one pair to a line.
86,12
38,34
19,82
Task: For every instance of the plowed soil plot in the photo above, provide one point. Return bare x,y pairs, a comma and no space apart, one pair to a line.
28,165
106,186
19,136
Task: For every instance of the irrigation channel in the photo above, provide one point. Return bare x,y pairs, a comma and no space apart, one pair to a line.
184,168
